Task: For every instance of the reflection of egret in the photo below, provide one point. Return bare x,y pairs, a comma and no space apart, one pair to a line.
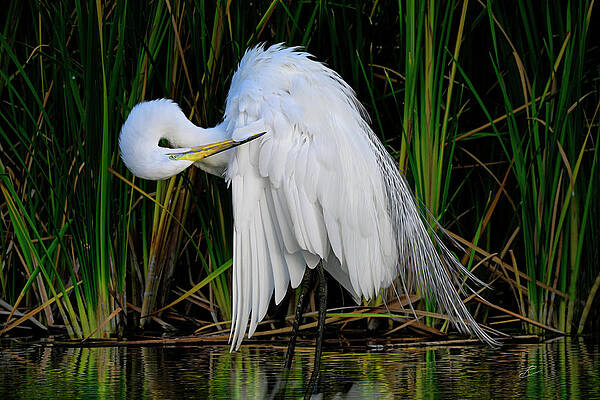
317,190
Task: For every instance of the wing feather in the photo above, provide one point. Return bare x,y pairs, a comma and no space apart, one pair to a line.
236,291
257,279
296,266
266,152
333,233
285,221
274,248
265,267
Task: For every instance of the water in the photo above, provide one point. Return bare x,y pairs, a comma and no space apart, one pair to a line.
564,368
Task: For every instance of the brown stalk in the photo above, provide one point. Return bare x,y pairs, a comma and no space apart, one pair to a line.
180,49
509,242
404,325
100,326
156,319
517,278
521,317
588,304
556,276
499,119
492,208
499,262
34,311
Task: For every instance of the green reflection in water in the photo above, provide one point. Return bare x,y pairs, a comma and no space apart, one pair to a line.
565,368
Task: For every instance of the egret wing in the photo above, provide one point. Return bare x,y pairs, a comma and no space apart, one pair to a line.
320,185
305,191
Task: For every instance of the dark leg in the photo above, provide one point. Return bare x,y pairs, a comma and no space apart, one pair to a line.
300,306
314,378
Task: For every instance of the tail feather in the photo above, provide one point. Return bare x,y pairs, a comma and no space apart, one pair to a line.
423,258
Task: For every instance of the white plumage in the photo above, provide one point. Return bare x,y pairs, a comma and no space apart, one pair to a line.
318,185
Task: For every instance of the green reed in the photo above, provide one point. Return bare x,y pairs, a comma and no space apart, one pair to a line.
549,145
78,228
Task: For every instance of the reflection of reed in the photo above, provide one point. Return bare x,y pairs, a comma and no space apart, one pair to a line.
587,365
58,373
257,373
566,368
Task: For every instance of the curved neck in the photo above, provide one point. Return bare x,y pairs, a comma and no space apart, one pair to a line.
183,134
148,123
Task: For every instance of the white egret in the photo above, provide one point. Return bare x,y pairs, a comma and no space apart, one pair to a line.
316,190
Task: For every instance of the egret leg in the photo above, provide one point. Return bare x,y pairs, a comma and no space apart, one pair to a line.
300,306
314,378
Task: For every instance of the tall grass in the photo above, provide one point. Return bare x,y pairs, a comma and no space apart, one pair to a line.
428,123
444,83
550,144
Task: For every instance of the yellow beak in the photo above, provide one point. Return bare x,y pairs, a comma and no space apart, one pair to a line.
200,152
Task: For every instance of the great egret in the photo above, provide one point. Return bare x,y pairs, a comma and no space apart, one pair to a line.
316,190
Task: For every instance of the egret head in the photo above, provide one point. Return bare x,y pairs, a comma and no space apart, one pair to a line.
146,125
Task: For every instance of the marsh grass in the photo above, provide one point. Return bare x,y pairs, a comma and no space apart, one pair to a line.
489,108
546,144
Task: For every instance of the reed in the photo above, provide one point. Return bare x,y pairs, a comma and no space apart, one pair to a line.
489,108
550,145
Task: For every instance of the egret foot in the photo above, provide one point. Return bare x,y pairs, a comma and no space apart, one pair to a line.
314,377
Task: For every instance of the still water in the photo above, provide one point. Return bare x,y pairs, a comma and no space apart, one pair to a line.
561,369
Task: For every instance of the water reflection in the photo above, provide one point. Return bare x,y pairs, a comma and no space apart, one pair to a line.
565,368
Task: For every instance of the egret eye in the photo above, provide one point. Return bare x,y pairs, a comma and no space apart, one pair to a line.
165,143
